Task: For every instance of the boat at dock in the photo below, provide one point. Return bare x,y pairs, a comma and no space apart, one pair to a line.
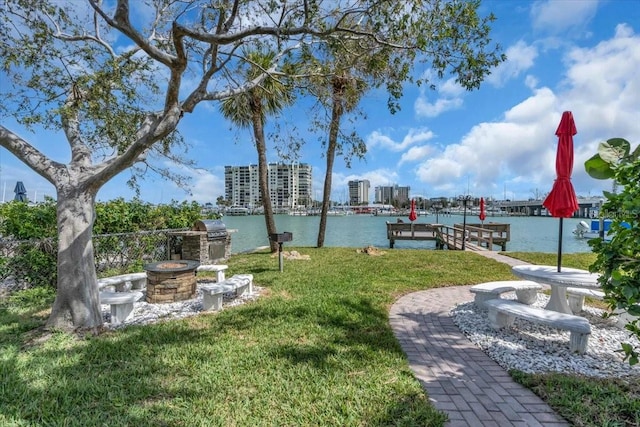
585,230
236,211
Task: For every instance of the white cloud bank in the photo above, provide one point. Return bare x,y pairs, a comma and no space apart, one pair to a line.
600,86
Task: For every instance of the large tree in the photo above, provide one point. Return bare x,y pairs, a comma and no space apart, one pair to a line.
117,77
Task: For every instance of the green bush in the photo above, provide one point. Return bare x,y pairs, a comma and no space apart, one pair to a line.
119,216
34,262
21,221
618,261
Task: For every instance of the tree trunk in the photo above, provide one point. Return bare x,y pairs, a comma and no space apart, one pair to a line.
334,127
263,169
77,304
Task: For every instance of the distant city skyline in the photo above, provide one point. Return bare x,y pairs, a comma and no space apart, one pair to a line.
497,142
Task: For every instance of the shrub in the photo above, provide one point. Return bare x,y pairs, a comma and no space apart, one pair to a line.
21,221
33,263
30,246
618,261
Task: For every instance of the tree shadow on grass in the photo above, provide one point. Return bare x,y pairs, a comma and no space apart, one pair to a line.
96,381
152,375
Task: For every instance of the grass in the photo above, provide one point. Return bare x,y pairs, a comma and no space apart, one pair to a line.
315,349
587,401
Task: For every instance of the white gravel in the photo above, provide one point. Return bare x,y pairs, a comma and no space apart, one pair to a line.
534,348
145,313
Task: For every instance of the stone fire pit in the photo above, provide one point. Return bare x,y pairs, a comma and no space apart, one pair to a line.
171,281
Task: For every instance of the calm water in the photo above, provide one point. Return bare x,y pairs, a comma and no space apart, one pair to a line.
528,234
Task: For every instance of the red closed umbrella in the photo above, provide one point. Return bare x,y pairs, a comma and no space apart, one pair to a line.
561,201
483,213
412,213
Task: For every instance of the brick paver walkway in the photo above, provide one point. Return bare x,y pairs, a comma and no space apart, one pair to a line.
460,378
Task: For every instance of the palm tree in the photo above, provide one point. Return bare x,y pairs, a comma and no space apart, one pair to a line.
250,109
345,93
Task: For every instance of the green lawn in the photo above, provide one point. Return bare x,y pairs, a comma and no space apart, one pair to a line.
315,349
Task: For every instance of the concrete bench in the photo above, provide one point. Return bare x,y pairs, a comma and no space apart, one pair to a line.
526,291
212,295
502,313
575,297
123,282
121,304
219,269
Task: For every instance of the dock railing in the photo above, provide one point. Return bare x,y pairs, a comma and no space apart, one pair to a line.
475,236
489,234
453,236
412,231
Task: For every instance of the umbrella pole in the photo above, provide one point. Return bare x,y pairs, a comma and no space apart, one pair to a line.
560,246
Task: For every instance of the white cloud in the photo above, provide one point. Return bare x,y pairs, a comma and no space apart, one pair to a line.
416,153
440,172
413,136
520,57
427,109
449,98
600,87
534,107
556,16
206,186
451,89
531,82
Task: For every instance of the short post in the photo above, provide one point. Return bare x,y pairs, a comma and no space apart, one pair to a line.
465,200
601,221
280,238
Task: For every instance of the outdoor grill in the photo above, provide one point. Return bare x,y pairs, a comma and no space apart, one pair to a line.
216,230
208,242
216,237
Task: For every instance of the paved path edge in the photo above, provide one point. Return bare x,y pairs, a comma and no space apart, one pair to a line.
459,378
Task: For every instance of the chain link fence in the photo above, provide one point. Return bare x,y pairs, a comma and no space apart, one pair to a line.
33,263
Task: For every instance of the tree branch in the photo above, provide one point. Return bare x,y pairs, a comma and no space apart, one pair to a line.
199,95
60,35
155,127
33,158
80,153
121,22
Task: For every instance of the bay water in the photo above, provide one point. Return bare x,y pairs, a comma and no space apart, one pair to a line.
528,233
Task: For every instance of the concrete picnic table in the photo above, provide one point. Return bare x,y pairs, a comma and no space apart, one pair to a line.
558,281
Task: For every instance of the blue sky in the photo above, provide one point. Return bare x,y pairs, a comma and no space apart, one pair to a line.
498,141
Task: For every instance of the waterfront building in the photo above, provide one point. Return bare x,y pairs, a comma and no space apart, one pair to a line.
392,195
359,192
289,186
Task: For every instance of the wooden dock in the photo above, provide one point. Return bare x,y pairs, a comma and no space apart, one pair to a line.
413,231
475,237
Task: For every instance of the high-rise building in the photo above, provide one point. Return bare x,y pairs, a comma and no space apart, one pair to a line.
392,195
359,192
289,185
